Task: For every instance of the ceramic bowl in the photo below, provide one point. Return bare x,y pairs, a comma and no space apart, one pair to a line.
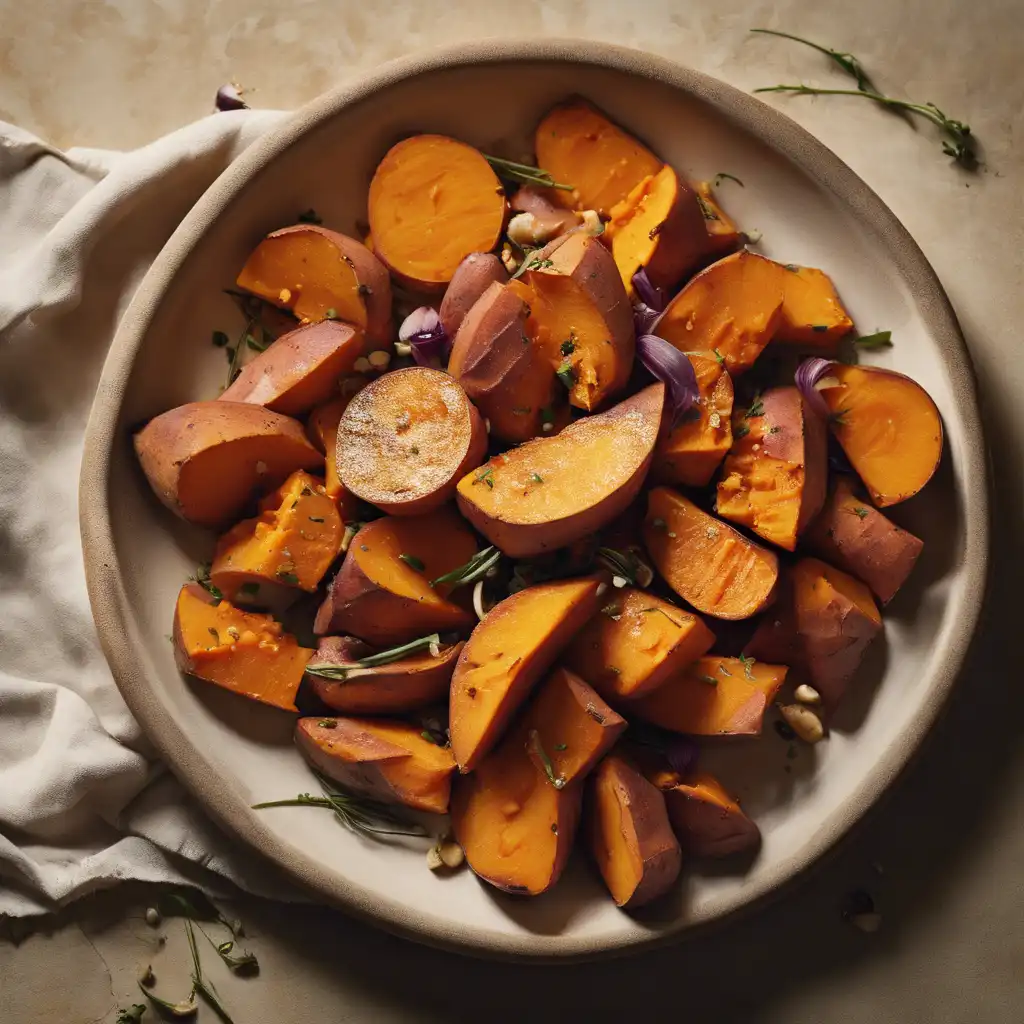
810,209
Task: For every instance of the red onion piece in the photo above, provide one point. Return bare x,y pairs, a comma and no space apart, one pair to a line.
648,293
807,377
682,754
671,367
229,98
427,338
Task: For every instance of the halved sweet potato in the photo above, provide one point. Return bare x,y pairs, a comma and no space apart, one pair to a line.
406,440
579,146
506,655
580,317
207,460
708,822
631,838
300,369
552,491
473,276
243,652
433,201
723,236
291,543
732,307
387,760
635,643
403,685
509,378
382,593
889,428
322,430
705,561
776,474
812,315
714,696
659,226
854,536
691,452
318,273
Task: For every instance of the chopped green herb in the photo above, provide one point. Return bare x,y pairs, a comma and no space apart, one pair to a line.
723,176
705,207
710,680
202,577
413,561
485,476
309,216
719,357
328,723
536,478
838,417
330,670
567,375
287,577
756,408
880,339
557,781
547,414
220,339
316,519
748,666
741,431
860,513
568,346
331,314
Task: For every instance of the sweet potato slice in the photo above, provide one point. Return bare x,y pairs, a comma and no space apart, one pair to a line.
473,276
659,226
403,685
631,838
206,460
635,643
708,822
690,452
406,440
509,379
433,201
387,760
291,543
776,474
715,696
505,656
732,307
322,430
318,274
579,146
723,236
812,315
889,428
854,536
243,652
580,317
552,491
382,593
705,561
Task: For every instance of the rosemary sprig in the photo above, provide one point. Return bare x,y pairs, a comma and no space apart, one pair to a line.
557,781
330,670
525,174
476,568
846,61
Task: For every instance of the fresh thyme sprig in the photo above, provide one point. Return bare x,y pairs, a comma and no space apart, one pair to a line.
330,670
476,568
525,174
846,61
202,577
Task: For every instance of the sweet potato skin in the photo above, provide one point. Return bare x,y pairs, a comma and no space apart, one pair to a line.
708,822
474,275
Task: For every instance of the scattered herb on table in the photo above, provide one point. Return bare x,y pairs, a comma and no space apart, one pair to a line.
724,176
880,339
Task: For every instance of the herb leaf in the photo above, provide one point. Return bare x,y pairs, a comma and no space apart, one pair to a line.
558,781
723,176
412,561
330,670
748,666
202,577
880,339
476,568
524,173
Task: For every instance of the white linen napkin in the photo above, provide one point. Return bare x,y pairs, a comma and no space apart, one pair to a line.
83,802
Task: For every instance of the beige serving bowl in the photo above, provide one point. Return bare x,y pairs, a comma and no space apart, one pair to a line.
810,208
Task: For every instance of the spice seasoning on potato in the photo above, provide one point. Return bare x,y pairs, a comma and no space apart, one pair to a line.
723,237
708,822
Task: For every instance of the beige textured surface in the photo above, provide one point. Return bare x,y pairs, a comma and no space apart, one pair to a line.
950,838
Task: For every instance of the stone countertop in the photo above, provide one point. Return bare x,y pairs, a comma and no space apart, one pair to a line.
942,854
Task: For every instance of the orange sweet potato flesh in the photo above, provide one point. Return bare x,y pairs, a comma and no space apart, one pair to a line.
635,643
505,657
403,685
579,146
889,428
243,652
690,452
207,460
705,561
708,822
659,226
734,307
723,236
715,696
385,599
433,201
516,828
292,542
322,430
300,369
812,315
630,835
568,727
854,536
406,440
552,491
317,273
382,758
776,474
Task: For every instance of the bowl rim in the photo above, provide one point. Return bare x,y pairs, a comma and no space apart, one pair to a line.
113,613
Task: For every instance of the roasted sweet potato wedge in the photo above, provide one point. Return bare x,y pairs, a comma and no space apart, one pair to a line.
630,835
635,643
383,594
320,274
207,460
473,276
812,315
243,652
506,655
705,561
413,682
541,496
715,696
775,476
387,760
707,821
723,237
322,430
406,440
